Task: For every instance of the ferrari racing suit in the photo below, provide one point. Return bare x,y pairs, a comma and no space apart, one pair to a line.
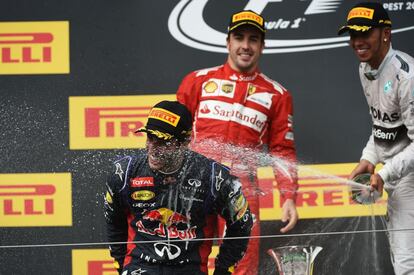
390,95
166,218
243,121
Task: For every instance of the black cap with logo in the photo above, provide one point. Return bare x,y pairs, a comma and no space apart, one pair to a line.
167,120
364,16
247,17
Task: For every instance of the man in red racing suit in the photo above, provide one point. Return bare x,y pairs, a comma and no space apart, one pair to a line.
244,120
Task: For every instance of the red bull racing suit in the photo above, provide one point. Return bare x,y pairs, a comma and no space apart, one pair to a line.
390,96
166,218
243,121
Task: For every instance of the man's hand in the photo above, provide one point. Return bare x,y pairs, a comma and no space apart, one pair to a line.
364,166
290,214
377,183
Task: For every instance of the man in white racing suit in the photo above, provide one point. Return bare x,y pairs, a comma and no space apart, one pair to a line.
387,77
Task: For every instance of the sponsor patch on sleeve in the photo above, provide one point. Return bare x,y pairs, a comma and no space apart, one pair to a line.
239,203
242,211
108,197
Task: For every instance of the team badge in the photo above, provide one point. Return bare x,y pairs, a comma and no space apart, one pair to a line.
387,87
251,89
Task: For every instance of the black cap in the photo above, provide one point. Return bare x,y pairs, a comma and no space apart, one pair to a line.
364,16
167,120
247,17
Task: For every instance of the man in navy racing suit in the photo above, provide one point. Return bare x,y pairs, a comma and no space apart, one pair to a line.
160,203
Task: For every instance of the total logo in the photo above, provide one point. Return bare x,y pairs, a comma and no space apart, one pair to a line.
305,25
142,182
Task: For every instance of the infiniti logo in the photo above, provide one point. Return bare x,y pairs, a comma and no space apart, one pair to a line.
187,24
170,250
194,182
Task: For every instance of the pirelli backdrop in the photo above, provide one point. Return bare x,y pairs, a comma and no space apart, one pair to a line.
77,77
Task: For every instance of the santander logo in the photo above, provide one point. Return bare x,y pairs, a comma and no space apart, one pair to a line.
205,109
213,109
292,25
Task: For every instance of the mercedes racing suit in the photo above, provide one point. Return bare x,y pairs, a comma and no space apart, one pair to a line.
238,120
390,95
166,218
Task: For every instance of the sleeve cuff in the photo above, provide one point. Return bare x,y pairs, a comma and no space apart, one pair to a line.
371,158
289,195
384,174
